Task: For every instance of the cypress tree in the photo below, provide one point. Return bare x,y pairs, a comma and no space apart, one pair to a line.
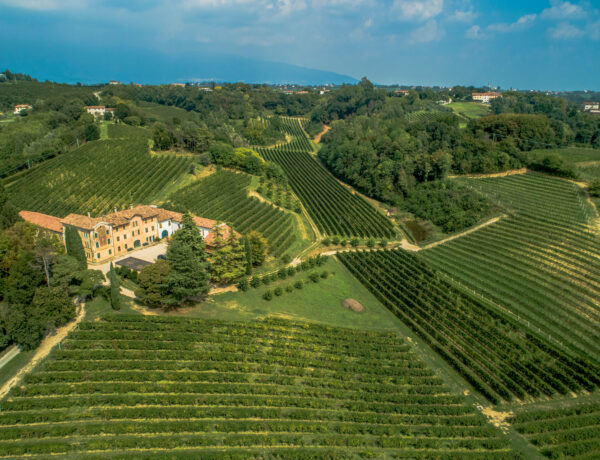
115,289
75,246
248,255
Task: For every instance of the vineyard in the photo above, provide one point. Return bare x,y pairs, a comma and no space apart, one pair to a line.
334,209
135,387
97,178
223,196
541,262
123,131
562,432
491,351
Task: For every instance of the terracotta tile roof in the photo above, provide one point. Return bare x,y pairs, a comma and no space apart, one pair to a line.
95,107
84,222
42,220
204,222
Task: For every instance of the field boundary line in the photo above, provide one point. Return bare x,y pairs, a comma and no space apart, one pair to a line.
491,221
43,350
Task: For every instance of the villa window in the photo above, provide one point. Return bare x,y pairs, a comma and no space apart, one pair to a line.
108,241
118,248
118,239
107,232
98,255
125,246
152,228
97,245
109,252
95,235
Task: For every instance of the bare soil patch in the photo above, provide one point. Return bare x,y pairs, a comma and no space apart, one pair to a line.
320,135
496,418
510,172
351,304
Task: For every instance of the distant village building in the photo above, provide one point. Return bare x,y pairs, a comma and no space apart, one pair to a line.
121,232
182,85
591,107
114,82
401,92
21,107
485,97
98,110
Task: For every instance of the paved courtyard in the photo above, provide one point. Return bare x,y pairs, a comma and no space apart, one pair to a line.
148,254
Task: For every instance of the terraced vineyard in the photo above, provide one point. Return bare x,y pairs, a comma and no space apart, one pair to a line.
135,387
223,196
570,432
490,350
542,262
96,178
334,209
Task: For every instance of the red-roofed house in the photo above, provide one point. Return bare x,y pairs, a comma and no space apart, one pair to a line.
21,107
485,97
45,221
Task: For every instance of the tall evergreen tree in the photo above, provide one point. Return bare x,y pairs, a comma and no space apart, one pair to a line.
187,258
8,214
115,289
228,259
75,246
259,246
249,259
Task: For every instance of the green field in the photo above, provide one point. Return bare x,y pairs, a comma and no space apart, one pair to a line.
540,263
569,154
165,113
224,196
135,387
498,357
572,431
123,131
469,110
334,209
96,178
319,302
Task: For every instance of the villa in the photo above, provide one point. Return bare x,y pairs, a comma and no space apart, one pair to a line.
21,108
485,97
121,232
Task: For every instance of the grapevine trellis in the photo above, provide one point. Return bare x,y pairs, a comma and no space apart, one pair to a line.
133,386
223,196
97,178
491,350
334,209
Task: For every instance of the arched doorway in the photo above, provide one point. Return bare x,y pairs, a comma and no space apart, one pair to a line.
136,244
164,234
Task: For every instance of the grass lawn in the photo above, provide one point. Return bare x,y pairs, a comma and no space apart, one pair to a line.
100,306
570,154
469,109
10,369
318,302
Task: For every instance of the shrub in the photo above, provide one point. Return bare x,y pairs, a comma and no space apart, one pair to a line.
278,291
266,280
289,288
354,242
286,259
255,281
383,243
299,284
371,242
243,285
314,277
335,239
291,271
324,274
268,295
273,277
282,273
343,242
326,242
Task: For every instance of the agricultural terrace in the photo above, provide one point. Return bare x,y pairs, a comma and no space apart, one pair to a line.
490,350
541,262
96,178
569,154
134,386
469,110
224,196
567,432
123,131
334,209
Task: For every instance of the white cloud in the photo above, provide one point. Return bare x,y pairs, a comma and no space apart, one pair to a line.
463,16
44,5
563,10
427,33
414,10
566,31
593,30
520,24
475,33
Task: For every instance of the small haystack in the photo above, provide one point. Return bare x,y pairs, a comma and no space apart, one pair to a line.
353,305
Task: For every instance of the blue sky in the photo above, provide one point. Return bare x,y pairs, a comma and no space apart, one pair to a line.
542,44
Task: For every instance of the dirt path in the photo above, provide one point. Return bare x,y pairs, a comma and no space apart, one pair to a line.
10,354
318,137
466,232
511,172
127,292
43,350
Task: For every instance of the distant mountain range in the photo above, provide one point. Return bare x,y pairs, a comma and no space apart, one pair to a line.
95,65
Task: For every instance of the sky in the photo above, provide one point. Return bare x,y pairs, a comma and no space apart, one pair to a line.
525,44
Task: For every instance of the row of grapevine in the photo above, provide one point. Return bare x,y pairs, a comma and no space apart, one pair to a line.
566,432
223,196
499,358
334,209
542,262
132,386
96,178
